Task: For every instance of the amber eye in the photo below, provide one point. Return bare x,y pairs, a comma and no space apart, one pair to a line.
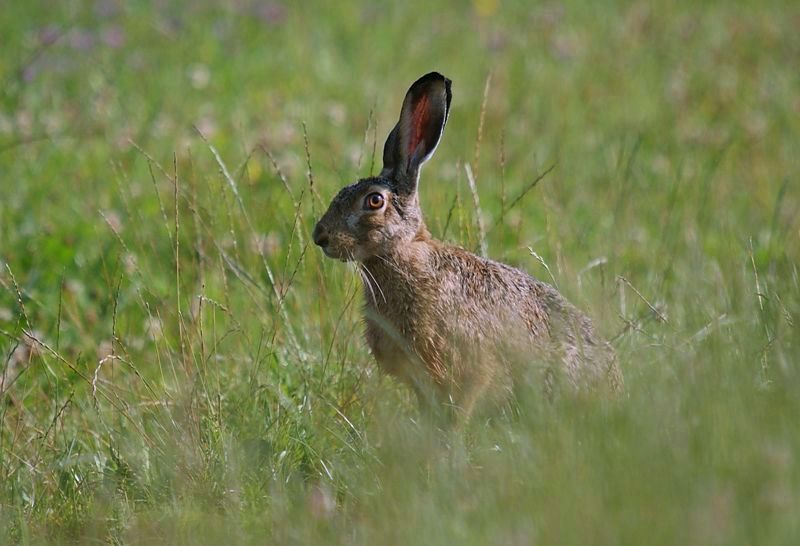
373,201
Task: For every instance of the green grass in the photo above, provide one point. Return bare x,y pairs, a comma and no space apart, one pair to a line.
180,366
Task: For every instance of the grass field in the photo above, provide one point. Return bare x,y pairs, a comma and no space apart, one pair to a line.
180,365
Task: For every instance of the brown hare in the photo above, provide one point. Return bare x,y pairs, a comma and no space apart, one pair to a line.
451,324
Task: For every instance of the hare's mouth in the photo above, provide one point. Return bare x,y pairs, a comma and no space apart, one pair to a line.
342,257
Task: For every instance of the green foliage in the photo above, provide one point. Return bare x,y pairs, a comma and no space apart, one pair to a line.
179,365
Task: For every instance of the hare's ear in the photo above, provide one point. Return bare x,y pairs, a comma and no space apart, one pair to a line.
415,137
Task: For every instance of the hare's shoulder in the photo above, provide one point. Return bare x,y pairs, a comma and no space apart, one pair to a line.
484,277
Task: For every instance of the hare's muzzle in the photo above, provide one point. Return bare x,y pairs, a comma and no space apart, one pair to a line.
320,236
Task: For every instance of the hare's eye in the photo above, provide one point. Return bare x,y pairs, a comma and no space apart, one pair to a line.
373,201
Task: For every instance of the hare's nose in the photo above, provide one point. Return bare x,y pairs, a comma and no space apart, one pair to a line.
319,235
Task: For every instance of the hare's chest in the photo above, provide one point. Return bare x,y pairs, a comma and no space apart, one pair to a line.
389,350
405,344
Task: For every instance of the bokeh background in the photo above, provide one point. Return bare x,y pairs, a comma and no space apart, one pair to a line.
179,365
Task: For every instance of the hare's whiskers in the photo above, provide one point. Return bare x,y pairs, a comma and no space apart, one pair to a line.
366,270
392,265
368,285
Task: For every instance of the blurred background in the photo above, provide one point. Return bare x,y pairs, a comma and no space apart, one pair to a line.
180,365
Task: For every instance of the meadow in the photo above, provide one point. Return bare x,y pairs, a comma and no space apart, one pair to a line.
180,365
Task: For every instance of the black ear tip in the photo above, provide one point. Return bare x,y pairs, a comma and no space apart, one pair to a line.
433,78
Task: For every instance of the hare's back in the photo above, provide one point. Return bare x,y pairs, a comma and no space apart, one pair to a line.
514,305
496,293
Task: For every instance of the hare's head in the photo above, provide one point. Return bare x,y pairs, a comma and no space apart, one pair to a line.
375,215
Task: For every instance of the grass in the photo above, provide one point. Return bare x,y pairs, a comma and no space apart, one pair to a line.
179,365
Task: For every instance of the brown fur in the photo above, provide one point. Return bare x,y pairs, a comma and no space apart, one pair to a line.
447,322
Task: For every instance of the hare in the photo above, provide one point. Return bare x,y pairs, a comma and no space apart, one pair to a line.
450,324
